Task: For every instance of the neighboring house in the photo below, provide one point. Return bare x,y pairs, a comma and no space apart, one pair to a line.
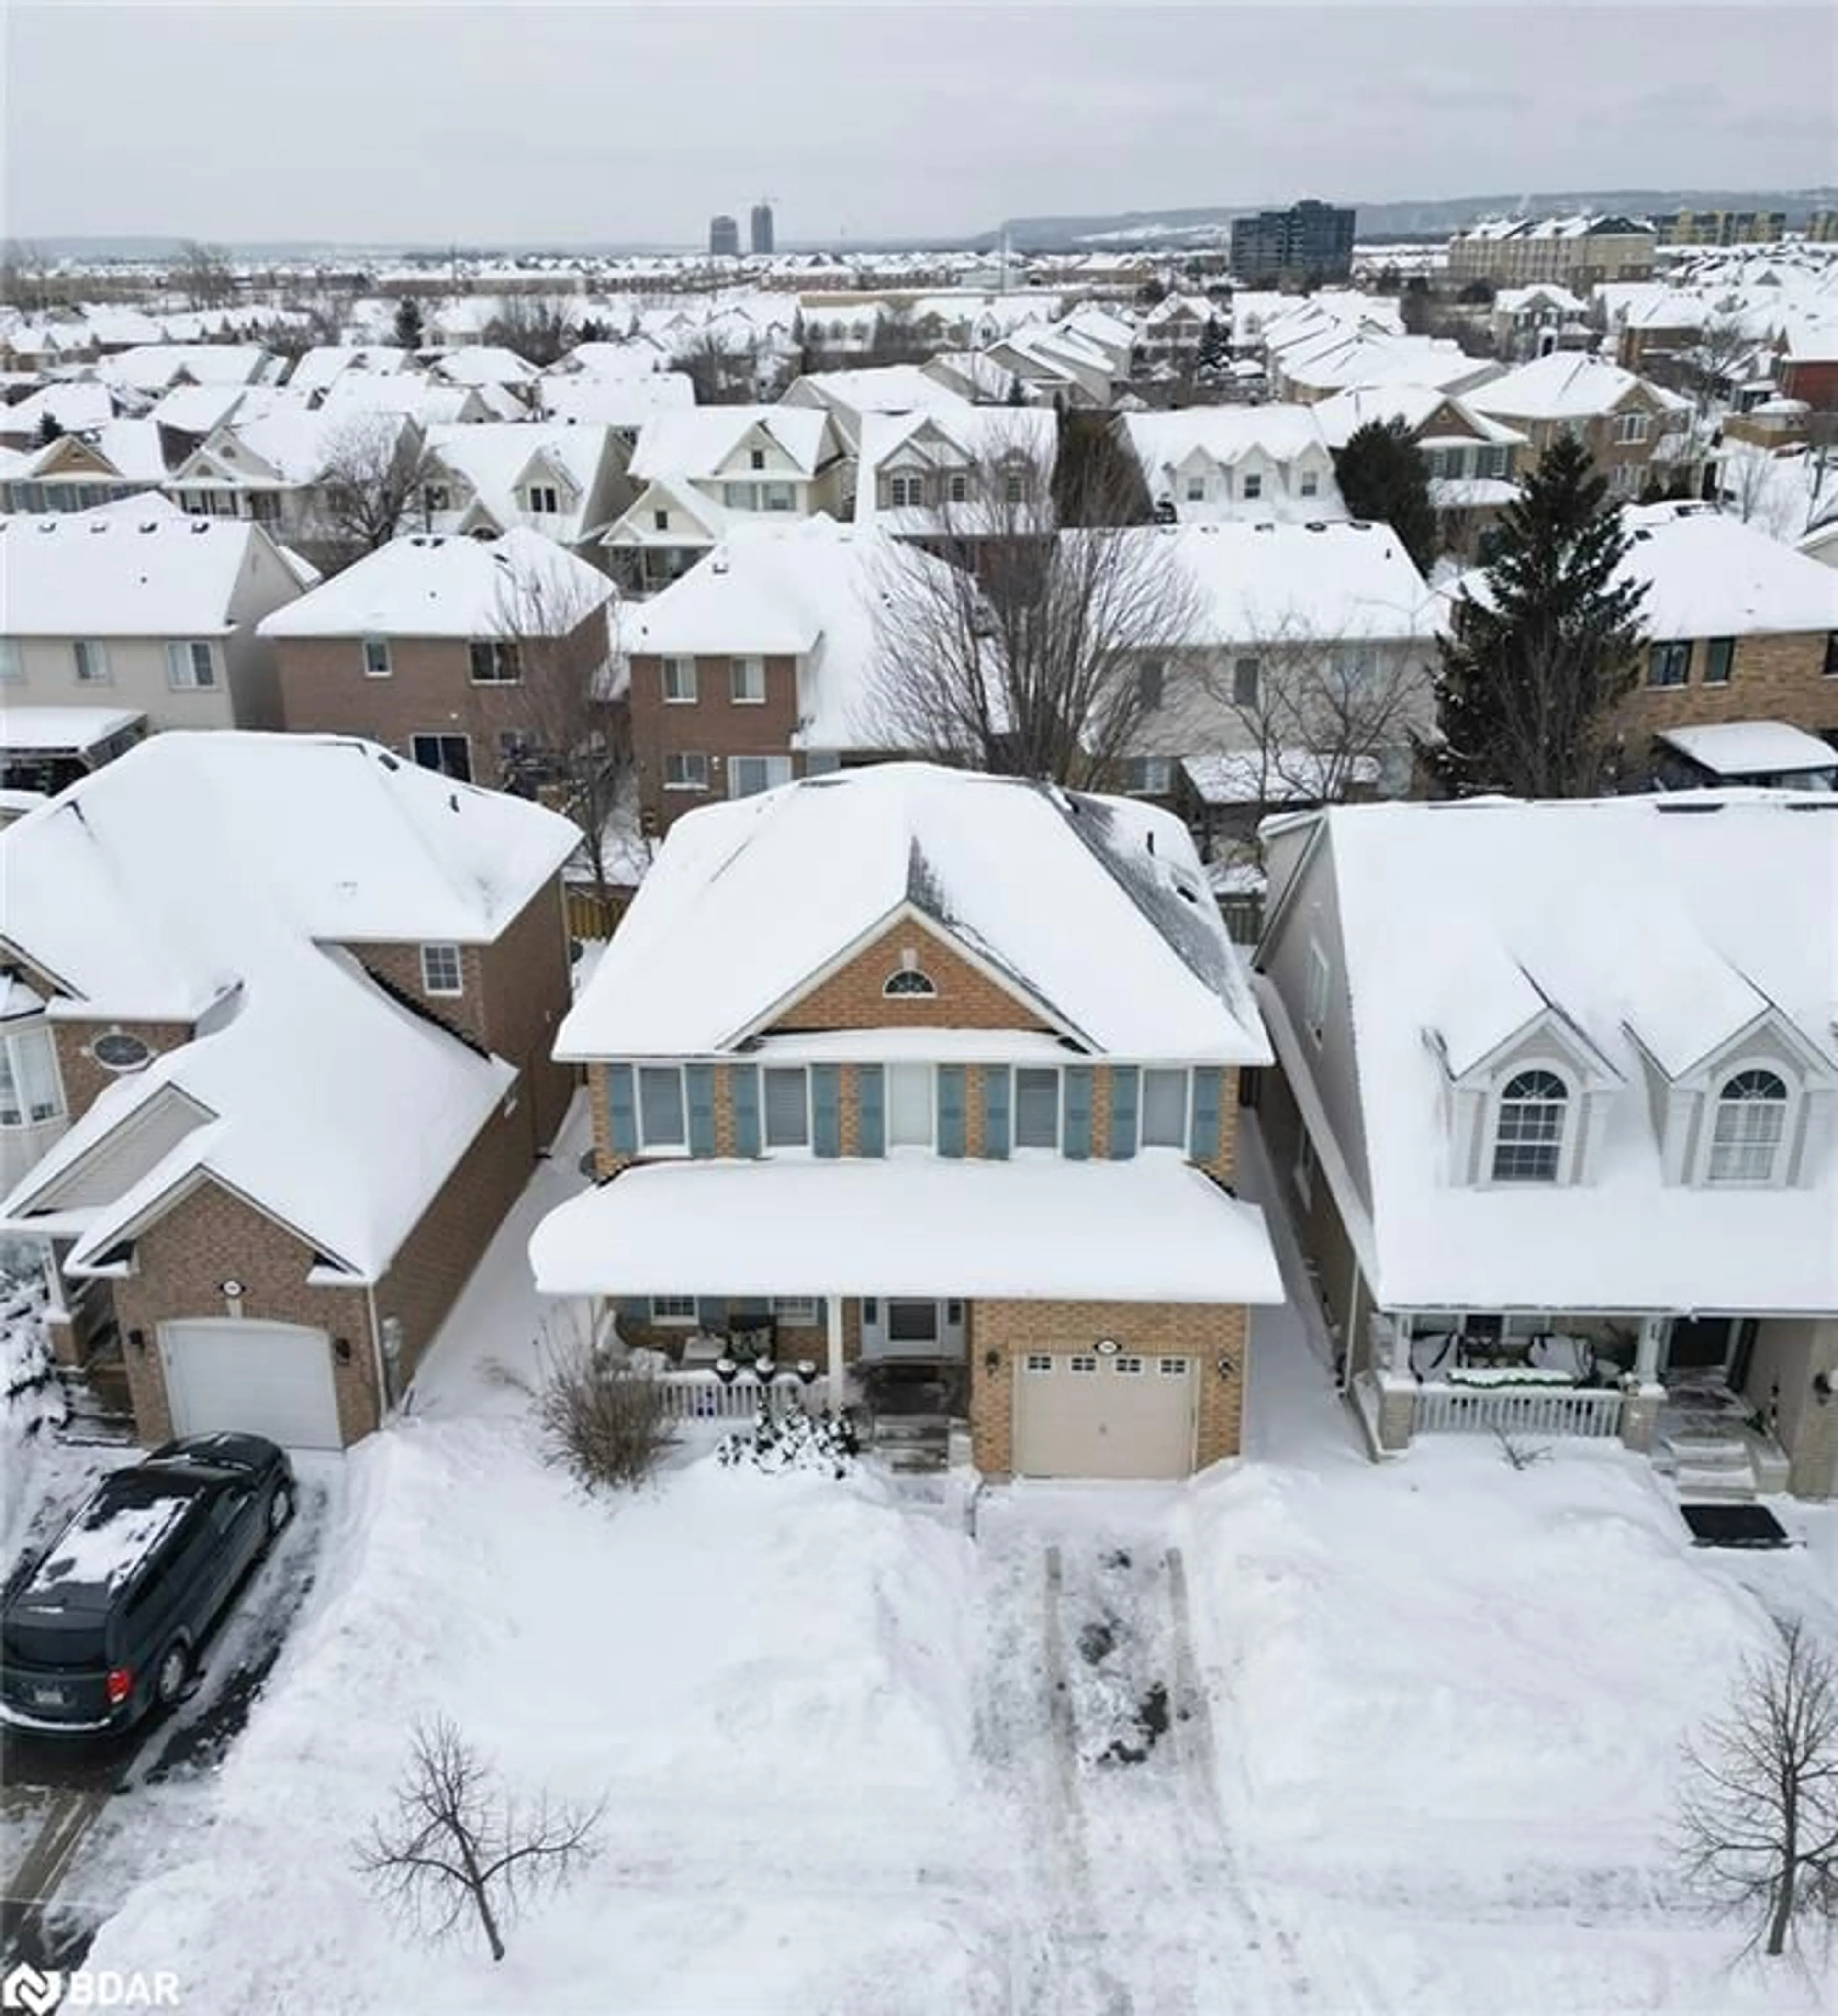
1556,1098
78,472
1311,646
958,470
42,749
759,666
622,404
697,473
1061,367
443,649
1579,252
964,1112
154,613
1168,337
1473,459
295,1005
147,370
1309,361
849,397
71,408
1635,432
315,370
1209,465
564,480
1532,321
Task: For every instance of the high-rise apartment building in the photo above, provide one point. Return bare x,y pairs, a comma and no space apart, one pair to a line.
724,238
1309,240
761,223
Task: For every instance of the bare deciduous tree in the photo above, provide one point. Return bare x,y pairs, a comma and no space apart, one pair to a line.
539,328
1015,647
374,469
1758,1823
456,1845
203,275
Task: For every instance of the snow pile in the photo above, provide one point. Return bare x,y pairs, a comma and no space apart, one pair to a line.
32,1397
767,1678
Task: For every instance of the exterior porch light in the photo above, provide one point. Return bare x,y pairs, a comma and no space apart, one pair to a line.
991,1361
1227,1368
138,1339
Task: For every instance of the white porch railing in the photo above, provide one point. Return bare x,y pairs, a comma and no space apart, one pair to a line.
1442,1409
699,1395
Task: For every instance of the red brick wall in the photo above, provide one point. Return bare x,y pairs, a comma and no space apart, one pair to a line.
712,724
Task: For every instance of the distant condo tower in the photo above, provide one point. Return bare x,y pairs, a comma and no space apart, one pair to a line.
724,238
761,227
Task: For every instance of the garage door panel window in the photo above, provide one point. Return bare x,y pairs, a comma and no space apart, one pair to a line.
1172,1368
1127,1368
1081,1362
1038,1362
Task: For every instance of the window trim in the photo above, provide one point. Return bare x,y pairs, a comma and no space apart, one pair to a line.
769,782
1719,650
799,1312
15,1077
685,783
367,647
1496,1104
892,990
739,671
181,665
92,652
441,736
659,1147
1717,1099
1179,1071
675,1319
690,692
929,1145
504,651
1662,657
441,947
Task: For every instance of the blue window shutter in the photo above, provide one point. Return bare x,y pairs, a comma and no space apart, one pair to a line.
743,1089
995,1084
1125,1086
711,1312
1076,1129
870,1126
636,1308
622,1114
951,1109
699,1084
826,1109
1206,1127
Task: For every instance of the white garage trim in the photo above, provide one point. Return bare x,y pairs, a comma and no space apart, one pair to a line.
1088,1413
267,1378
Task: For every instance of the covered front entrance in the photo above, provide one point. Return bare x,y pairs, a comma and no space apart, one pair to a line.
898,1326
1095,1414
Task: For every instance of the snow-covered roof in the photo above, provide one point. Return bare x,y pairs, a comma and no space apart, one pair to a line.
483,364
1707,575
493,457
428,585
1341,416
979,439
1224,434
1739,749
585,397
317,368
40,730
213,878
1567,385
80,403
117,575
696,443
153,367
1094,906
1150,1229
1655,928
1275,583
131,448
1279,776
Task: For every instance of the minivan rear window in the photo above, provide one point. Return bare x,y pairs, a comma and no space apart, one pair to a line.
71,1643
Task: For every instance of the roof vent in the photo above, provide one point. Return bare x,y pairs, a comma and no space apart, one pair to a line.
1315,525
1687,802
148,525
200,524
1263,525
99,524
48,524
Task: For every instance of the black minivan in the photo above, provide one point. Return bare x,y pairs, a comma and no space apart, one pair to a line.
106,1622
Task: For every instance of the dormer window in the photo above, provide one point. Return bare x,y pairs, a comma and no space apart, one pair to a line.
905,493
1751,1129
544,500
1529,1132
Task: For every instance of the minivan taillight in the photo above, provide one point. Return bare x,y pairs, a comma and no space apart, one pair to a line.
120,1684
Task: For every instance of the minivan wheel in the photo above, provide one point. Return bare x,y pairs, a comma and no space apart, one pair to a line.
280,1512
175,1670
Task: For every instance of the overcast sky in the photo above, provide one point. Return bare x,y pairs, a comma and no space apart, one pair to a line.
536,124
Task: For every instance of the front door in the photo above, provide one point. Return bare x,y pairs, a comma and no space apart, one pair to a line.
1700,1349
902,1326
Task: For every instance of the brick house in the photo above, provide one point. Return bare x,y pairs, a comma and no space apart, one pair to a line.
289,1004
456,653
1473,459
759,666
1211,465
1636,432
920,1125
1555,1097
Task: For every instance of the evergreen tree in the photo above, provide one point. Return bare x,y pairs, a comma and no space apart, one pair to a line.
1215,350
408,323
1383,477
1545,647
50,428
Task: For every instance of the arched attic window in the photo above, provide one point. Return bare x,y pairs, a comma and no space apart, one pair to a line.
1750,1127
909,981
1528,1134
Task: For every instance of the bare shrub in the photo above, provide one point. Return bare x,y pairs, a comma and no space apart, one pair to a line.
600,1418
457,1839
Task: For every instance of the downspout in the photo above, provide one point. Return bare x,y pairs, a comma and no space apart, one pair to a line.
384,1401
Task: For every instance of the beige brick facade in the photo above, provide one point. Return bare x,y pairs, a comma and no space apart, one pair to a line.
1211,1332
852,997
1774,676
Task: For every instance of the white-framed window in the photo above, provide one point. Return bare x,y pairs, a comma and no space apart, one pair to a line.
660,1121
1015,485
1037,1361
11,670
1314,1001
1246,676
756,458
1253,486
1172,1368
685,770
1630,427
29,1089
93,661
1151,680
785,1106
747,681
543,500
910,980
1669,664
442,971
957,486
748,775
1148,776
1082,1361
1311,482
778,496
905,493
377,660
495,661
1196,488
1624,478
660,521
190,667
1164,1109
1720,656
796,1312
670,1310
911,1094
1036,1108
1128,1366
679,682
739,496
1751,1129
1528,1128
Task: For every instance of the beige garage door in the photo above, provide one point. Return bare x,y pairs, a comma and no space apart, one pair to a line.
1079,1414
265,1378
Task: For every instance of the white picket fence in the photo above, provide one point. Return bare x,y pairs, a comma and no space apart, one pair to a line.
1442,1409
699,1395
